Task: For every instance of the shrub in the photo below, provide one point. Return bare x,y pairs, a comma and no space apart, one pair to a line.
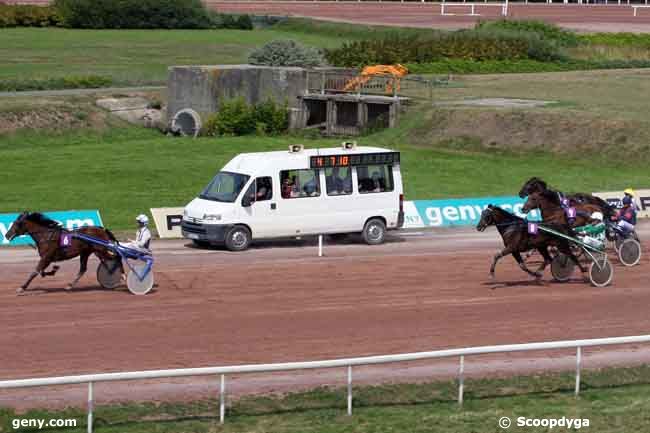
286,53
546,31
464,44
28,16
236,117
227,21
70,82
134,14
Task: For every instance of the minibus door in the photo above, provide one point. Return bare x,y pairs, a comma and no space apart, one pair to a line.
261,215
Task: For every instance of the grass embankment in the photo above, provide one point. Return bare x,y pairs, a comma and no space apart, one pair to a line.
613,400
125,171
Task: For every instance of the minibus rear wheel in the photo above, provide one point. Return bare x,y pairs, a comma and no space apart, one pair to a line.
238,238
374,232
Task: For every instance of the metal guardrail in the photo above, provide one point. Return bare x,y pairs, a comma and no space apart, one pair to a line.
329,82
335,363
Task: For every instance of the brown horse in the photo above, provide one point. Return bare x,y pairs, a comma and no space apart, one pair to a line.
535,184
517,239
548,202
55,244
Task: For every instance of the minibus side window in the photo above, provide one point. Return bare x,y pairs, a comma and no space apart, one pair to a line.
338,180
375,178
300,183
264,188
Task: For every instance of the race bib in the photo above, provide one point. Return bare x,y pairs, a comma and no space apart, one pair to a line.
571,212
65,240
533,228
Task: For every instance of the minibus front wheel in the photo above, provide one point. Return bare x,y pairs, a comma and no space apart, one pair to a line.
374,232
238,238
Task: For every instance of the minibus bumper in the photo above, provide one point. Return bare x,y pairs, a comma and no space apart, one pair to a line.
205,232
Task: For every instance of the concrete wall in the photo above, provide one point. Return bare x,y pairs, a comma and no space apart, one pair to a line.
202,88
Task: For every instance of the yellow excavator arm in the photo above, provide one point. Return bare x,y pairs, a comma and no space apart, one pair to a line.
396,71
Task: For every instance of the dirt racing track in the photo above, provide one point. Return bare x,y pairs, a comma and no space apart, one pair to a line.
602,18
279,302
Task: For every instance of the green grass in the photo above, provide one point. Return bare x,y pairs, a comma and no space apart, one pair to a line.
131,56
124,171
613,400
605,94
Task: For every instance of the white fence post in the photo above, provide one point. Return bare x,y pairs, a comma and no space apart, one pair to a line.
90,407
461,379
222,399
578,362
320,245
349,390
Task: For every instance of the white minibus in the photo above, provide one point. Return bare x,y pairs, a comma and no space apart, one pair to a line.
298,193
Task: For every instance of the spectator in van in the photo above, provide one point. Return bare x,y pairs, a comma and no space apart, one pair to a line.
287,187
310,188
337,184
263,189
377,182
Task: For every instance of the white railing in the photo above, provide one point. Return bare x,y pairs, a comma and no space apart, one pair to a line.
446,4
334,363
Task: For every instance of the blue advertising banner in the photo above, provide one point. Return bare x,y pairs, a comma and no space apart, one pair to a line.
462,211
69,219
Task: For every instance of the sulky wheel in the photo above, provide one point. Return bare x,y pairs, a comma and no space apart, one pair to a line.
629,252
109,274
562,267
137,285
601,272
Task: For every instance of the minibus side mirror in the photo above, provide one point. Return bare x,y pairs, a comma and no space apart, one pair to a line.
246,201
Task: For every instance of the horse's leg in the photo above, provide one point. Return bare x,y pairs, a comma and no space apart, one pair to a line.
522,265
40,267
547,258
83,260
565,248
50,273
497,256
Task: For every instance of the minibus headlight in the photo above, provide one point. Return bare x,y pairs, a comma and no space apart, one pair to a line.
212,217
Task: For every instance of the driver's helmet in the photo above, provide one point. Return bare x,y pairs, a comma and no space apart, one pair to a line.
142,219
597,216
629,191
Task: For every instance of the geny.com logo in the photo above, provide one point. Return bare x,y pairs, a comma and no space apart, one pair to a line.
17,423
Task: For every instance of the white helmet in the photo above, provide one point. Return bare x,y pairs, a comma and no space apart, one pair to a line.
597,216
142,219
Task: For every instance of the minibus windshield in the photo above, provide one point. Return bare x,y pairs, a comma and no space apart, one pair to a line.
225,187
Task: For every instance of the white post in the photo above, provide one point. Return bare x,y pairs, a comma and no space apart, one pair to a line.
461,379
349,390
472,9
222,399
90,407
578,362
442,8
505,8
320,245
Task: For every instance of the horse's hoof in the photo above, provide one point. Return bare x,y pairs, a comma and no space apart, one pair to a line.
69,287
20,291
491,275
538,276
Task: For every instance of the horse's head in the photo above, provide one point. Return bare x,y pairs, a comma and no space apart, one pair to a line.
18,228
534,201
487,219
534,184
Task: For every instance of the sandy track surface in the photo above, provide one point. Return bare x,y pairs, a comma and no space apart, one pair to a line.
600,18
279,302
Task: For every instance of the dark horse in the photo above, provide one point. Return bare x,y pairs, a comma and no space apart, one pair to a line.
535,184
517,239
47,235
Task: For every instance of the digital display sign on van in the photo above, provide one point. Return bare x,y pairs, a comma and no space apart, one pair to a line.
350,160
